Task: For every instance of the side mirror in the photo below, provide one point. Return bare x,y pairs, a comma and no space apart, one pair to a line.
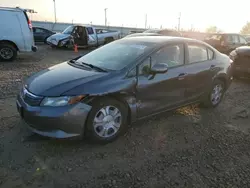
159,68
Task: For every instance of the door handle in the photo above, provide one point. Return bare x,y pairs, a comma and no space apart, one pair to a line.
181,76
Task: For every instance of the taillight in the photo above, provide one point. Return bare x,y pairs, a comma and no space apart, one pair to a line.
30,24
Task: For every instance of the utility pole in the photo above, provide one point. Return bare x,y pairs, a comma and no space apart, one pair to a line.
146,19
105,10
55,9
179,21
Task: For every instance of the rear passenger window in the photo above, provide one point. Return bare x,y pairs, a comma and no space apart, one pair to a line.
197,53
90,30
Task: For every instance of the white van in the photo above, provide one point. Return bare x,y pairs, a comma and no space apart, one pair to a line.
16,33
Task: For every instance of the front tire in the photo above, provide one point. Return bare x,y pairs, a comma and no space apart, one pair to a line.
106,121
7,52
215,94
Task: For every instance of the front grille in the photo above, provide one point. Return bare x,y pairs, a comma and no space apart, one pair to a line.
30,98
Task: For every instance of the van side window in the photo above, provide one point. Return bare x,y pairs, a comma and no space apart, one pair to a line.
90,30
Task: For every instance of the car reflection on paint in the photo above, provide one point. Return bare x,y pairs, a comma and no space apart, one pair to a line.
97,95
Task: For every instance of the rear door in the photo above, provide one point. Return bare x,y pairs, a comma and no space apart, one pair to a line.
26,28
92,37
200,68
39,34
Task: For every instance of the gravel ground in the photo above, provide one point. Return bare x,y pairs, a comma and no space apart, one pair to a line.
190,147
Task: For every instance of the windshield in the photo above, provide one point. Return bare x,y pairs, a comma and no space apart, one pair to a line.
116,55
151,31
68,30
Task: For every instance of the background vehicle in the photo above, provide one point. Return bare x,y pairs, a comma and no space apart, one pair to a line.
83,36
41,34
157,32
129,79
247,37
15,33
241,58
226,42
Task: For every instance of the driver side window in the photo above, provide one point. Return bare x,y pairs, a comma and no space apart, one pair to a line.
172,55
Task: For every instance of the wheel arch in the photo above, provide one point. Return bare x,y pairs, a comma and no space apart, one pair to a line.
128,100
9,42
223,78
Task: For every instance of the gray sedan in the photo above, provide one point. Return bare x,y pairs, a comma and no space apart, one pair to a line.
99,94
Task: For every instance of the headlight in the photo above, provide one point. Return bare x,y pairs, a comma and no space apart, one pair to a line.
61,101
63,42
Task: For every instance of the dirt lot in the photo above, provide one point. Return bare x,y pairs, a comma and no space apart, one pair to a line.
191,147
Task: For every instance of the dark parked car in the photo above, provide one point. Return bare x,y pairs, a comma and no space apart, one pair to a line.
99,94
241,58
41,34
157,32
226,42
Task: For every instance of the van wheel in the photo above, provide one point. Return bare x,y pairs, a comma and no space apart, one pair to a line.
106,121
7,52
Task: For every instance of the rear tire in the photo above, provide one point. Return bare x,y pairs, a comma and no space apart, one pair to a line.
215,94
8,52
107,120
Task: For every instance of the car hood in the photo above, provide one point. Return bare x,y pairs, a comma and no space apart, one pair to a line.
59,79
57,37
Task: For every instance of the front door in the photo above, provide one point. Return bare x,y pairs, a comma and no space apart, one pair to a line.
80,36
162,91
201,67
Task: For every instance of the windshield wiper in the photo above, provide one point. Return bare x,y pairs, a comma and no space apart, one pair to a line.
88,65
94,67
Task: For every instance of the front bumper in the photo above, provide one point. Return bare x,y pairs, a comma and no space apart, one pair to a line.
55,122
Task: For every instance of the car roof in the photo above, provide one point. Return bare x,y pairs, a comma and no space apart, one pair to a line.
162,39
11,9
39,27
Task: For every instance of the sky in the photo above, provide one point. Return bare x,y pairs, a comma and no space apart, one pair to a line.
199,14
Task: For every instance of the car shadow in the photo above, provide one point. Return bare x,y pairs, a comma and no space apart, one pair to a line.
242,79
78,142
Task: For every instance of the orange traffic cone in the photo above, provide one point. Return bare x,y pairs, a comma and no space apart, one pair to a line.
75,48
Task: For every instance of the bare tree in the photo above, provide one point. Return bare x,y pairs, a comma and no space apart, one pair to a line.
213,29
245,29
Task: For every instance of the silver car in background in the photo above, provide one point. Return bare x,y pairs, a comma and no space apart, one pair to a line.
82,36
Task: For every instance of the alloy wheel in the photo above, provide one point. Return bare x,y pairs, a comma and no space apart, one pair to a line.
6,53
107,121
216,94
